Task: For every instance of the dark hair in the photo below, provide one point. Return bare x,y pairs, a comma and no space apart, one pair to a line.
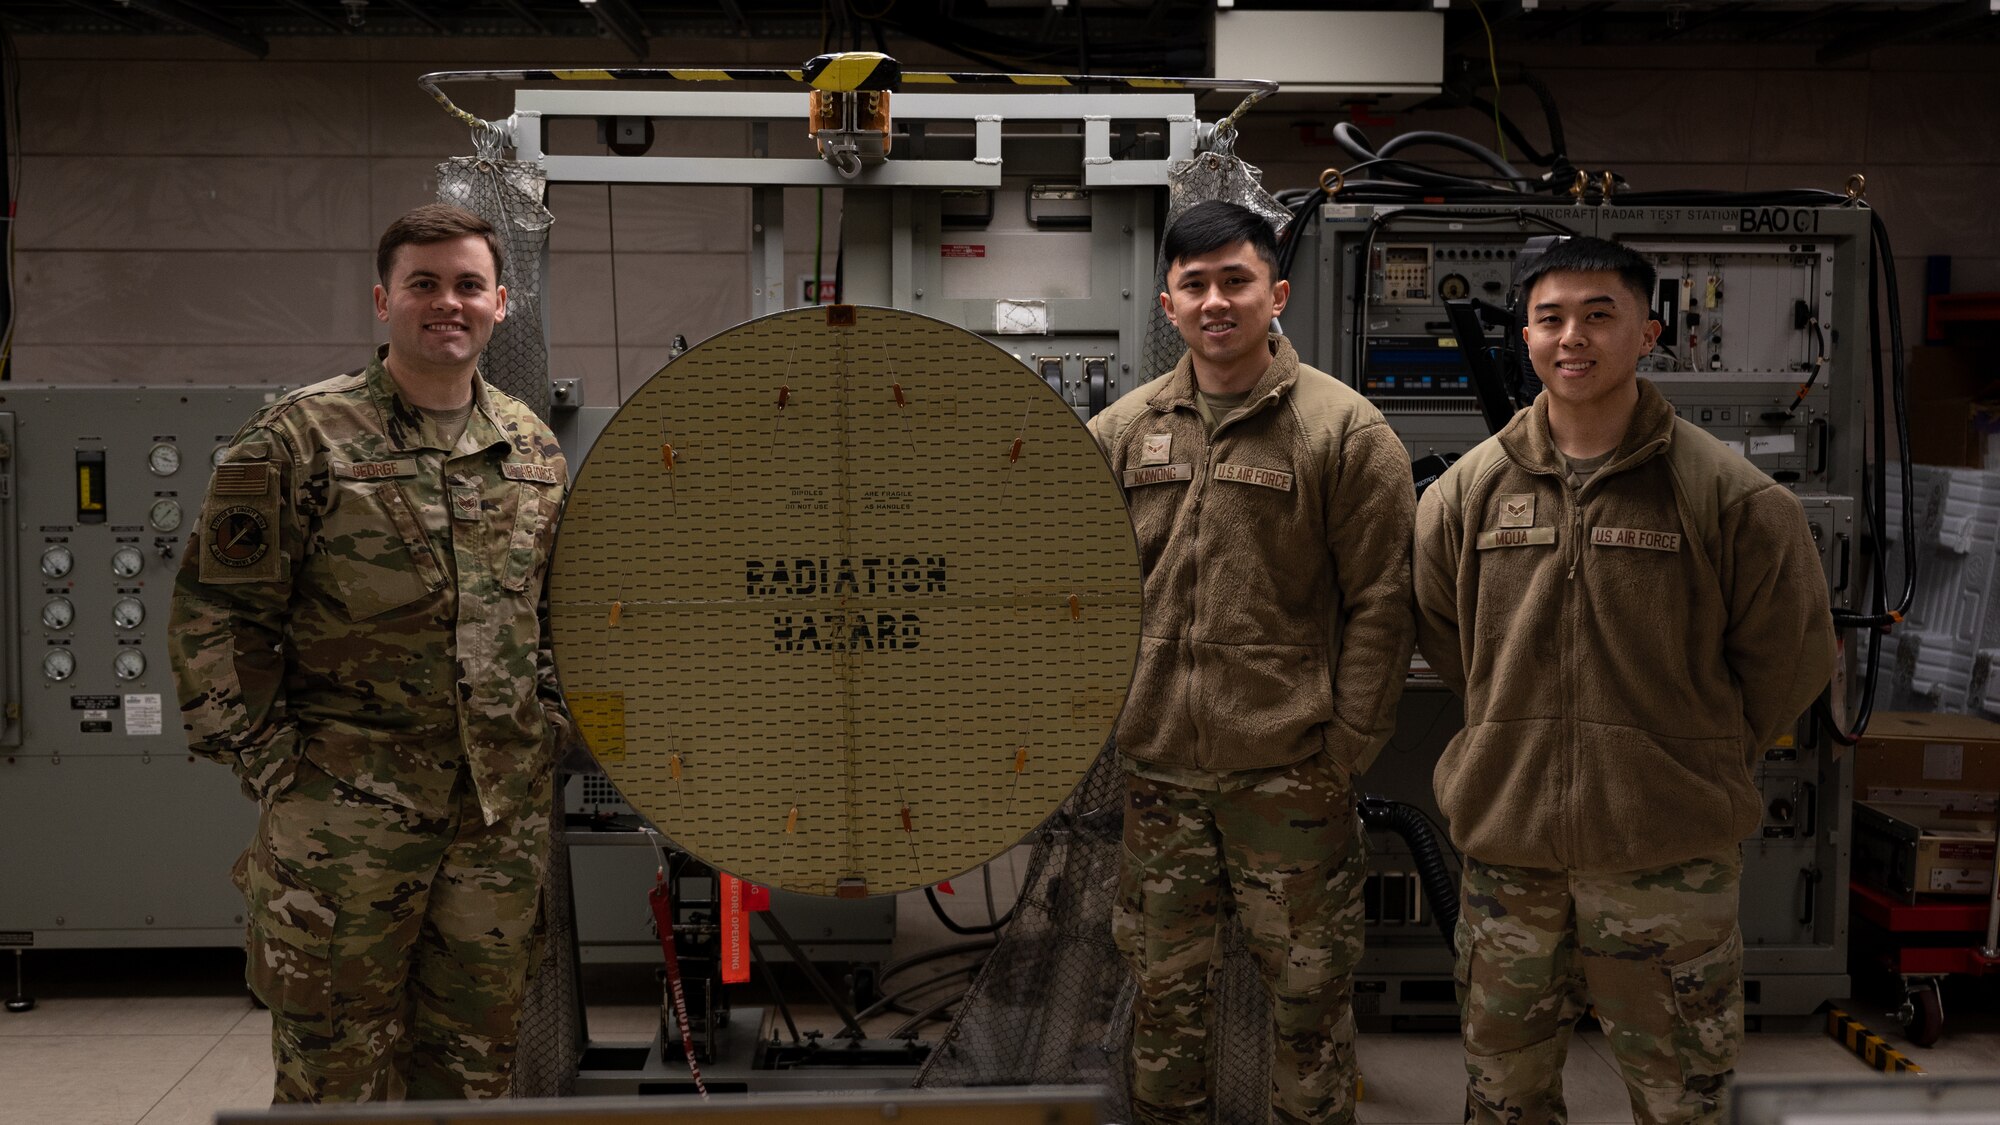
1211,225
436,222
1584,254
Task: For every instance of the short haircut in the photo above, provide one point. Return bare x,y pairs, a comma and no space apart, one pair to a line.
436,222
1584,254
1211,225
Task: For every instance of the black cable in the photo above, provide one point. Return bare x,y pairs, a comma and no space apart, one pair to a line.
1470,148
909,1026
1813,369
1885,262
937,908
894,968
893,1001
1350,138
1875,502
1411,823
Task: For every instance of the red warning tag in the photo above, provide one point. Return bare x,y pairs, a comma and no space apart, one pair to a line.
735,951
756,899
946,887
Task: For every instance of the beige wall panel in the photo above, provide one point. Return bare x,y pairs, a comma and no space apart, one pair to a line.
1827,177
578,294
1546,58
1614,116
395,185
220,108
582,218
651,218
1934,58
465,53
1935,117
193,48
1938,209
694,295
1806,115
178,299
800,222
174,203
636,364
274,365
405,121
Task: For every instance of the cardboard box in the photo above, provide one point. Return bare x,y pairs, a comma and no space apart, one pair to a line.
1918,849
1943,760
1951,404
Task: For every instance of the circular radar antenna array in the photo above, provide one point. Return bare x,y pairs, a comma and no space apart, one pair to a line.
845,600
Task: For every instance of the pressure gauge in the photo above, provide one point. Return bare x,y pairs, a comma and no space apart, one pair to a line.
216,455
129,664
164,460
58,664
127,613
58,613
56,561
127,561
166,515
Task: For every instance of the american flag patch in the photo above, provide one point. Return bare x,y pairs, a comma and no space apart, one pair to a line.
241,478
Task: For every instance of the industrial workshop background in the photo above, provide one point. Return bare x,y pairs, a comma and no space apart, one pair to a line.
190,213
196,210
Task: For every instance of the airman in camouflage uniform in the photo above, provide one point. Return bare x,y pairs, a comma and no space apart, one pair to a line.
356,633
1272,506
1632,612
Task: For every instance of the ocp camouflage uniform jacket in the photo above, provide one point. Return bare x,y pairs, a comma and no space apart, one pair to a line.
1276,555
1625,650
360,595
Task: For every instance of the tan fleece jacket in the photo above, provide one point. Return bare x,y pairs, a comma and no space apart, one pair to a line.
1277,577
1625,650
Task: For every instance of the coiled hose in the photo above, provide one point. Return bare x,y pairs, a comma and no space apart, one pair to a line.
1409,822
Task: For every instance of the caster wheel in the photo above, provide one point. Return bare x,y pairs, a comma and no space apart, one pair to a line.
1923,1015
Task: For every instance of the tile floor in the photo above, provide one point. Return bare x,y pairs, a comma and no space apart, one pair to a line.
169,1038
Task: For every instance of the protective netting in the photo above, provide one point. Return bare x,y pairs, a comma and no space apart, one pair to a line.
552,1034
1214,174
1053,1003
509,194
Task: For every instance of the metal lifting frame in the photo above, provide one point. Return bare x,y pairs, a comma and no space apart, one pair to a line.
986,112
1100,114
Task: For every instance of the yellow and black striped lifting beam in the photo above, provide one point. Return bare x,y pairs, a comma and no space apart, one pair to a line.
1868,1046
857,70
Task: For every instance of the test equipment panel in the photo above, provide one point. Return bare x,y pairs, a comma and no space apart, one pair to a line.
1764,345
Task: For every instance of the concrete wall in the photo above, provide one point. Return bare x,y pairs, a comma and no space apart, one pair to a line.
188,214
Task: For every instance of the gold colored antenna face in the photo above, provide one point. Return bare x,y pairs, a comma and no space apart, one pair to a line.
845,600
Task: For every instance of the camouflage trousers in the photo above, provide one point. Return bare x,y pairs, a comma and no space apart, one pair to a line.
1290,853
392,948
1658,954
